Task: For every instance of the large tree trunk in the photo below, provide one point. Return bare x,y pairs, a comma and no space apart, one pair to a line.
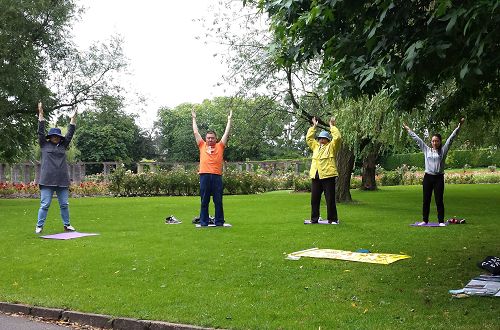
345,164
368,172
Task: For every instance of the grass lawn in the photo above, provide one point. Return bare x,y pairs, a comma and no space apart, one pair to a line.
238,277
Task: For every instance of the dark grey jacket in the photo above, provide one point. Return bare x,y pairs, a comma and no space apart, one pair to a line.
54,168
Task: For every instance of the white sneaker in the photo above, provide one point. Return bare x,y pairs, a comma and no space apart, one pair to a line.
38,230
69,228
422,223
442,224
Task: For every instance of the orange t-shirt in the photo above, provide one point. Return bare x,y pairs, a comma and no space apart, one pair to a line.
211,158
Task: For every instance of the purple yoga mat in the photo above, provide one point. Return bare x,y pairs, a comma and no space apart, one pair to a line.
429,224
320,222
68,235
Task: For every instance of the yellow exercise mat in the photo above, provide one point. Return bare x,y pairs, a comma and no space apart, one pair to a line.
374,258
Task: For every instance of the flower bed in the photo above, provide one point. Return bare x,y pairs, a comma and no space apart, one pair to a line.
31,190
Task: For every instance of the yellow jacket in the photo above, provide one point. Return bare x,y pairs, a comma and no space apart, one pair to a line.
323,160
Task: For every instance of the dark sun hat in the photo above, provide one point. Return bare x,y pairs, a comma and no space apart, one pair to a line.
54,131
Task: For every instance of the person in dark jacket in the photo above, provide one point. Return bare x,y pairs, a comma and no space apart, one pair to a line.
54,173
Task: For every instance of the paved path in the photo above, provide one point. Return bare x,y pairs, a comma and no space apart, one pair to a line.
8,322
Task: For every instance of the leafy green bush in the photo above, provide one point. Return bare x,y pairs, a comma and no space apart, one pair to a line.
458,178
355,182
390,178
456,159
394,161
179,182
487,178
302,183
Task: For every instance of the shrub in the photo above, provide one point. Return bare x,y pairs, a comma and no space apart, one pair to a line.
302,183
487,178
180,182
355,182
89,188
456,159
390,178
458,178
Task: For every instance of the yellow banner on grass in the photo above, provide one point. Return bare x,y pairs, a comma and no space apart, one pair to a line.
374,258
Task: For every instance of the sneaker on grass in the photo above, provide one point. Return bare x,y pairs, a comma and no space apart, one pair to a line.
172,220
69,228
334,222
442,224
38,230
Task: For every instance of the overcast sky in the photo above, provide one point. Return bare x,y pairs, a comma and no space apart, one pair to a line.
168,65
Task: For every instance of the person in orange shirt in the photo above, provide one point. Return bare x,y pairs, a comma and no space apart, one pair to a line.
211,160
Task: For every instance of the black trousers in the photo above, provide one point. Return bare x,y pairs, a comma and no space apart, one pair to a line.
436,183
327,186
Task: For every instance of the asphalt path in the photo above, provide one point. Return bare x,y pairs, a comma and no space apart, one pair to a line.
18,322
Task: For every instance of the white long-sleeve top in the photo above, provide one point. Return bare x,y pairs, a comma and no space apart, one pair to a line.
434,159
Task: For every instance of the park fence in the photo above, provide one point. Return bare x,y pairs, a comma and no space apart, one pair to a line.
29,172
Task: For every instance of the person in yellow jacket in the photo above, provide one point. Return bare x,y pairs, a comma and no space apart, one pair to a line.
323,169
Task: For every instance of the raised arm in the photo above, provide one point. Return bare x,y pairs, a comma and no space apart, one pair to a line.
197,135
415,137
73,118
71,129
228,127
452,136
334,131
41,124
310,140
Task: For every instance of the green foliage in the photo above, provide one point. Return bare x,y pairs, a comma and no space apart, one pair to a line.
406,175
302,183
455,159
32,190
391,178
31,36
108,134
316,53
39,62
256,130
406,47
180,182
394,161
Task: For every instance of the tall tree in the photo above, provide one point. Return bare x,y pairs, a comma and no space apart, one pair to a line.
108,134
254,69
38,61
371,126
257,132
408,47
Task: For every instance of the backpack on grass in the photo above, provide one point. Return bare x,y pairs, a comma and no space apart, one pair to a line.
491,264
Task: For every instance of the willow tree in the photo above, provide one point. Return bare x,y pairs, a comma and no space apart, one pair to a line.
371,125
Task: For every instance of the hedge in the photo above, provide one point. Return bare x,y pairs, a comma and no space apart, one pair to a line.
179,182
455,159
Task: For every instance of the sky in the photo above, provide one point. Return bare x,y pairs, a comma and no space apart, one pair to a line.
167,63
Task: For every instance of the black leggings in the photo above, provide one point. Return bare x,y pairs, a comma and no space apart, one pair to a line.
436,183
319,186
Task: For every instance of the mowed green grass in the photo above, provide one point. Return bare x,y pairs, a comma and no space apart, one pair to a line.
239,278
